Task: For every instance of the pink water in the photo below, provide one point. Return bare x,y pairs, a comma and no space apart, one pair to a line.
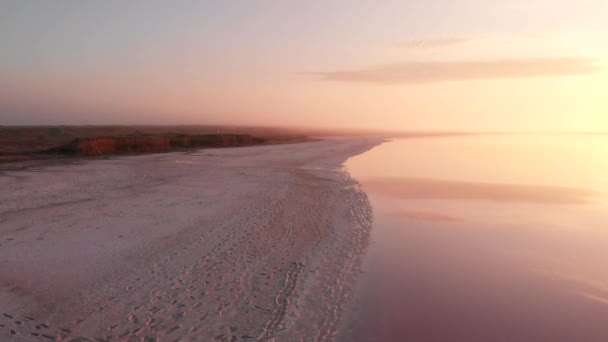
486,238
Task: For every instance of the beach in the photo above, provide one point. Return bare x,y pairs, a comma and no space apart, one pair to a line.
228,244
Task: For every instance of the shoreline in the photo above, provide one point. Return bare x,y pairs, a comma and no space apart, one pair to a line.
250,243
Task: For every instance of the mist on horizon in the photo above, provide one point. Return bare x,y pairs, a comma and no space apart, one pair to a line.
421,65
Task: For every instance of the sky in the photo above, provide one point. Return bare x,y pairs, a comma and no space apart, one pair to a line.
534,65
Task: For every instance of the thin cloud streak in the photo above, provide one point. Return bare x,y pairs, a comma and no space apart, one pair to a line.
427,44
449,71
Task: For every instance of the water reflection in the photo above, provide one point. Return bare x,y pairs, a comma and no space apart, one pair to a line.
426,216
464,252
420,188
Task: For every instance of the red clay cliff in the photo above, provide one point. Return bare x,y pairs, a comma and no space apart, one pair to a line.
150,144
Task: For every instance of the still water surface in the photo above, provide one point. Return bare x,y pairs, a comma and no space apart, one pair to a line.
485,238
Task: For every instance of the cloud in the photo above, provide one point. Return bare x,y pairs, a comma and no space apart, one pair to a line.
449,71
427,44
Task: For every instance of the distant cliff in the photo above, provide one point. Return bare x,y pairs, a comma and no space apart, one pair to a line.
150,144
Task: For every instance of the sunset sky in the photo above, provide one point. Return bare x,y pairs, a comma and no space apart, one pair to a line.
399,65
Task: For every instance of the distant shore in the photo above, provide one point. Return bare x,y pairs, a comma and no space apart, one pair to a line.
37,143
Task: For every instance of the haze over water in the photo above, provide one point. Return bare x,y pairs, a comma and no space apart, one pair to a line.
485,238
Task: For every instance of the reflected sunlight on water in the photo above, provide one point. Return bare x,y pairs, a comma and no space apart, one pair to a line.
485,238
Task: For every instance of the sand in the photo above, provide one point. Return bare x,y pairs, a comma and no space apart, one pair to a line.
243,244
